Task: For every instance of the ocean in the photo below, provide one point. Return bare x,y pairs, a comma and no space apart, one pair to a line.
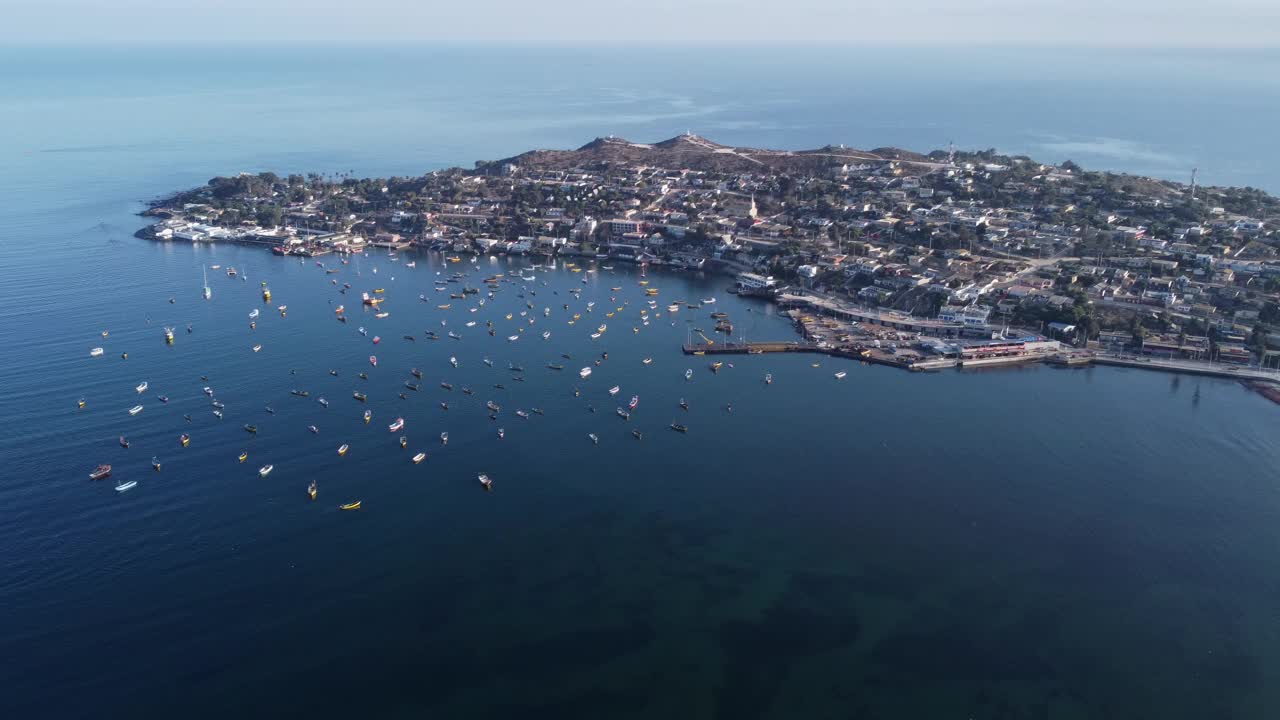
1037,543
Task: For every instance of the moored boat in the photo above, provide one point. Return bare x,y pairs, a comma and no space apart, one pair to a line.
342,449
419,458
135,409
100,472
350,506
265,470
396,426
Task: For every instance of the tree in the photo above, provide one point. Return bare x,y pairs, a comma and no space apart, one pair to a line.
270,216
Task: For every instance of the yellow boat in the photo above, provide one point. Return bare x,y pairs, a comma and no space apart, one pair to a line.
350,506
442,307
266,295
615,289
698,352
343,450
80,404
379,290
508,316
244,456
577,270
651,291
644,282
311,490
454,259
608,314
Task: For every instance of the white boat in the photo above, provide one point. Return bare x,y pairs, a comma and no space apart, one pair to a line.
253,313
96,352
142,387
614,390
265,470
208,292
444,438
594,439
419,458
708,301
135,409
513,338
840,375
453,361
595,336
768,378
396,426
688,374
485,481
546,335
584,373
257,348
123,487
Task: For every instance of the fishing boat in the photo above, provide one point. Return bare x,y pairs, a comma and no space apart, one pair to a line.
350,506
377,339
488,362
684,404
142,387
168,335
207,391
501,433
594,438
217,414
444,438
679,428
360,396
485,482
100,472
244,455
342,449
523,414
635,400
415,372
218,404
313,429
419,458
368,415
311,490
96,352
300,393
80,403
251,429
708,301
453,361
688,374
124,443
493,406
454,335
135,409
840,375
584,373
396,426
362,331
184,439
265,470
404,442
124,487
155,464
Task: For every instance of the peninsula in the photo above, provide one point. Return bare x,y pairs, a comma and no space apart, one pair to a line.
918,260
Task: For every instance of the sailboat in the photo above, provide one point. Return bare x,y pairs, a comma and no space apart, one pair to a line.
208,292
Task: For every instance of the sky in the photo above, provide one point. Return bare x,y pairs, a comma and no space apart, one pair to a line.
1102,23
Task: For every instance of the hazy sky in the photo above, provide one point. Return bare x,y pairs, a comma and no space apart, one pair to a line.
1125,23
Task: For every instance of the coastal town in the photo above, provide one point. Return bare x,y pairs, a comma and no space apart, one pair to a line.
955,258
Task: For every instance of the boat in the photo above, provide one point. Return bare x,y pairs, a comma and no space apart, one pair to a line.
555,366
155,464
311,490
594,438
537,411
208,292
96,352
415,372
501,433
350,506
135,409
708,301
162,398
265,470
584,373
546,335
256,348
446,386
252,429
454,335
453,361
368,415
124,443
244,455
488,362
373,360
100,472
218,404
523,414
168,335
342,449
485,482
207,391
444,438
123,487
715,366
512,338
595,336
679,428
684,404
623,414
614,390
404,442
688,374
142,387
419,458
635,400
323,402
185,439
253,313
313,429
217,414
647,361
300,393
493,406
840,375
360,396
396,426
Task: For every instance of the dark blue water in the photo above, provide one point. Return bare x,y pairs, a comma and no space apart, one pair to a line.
1029,543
